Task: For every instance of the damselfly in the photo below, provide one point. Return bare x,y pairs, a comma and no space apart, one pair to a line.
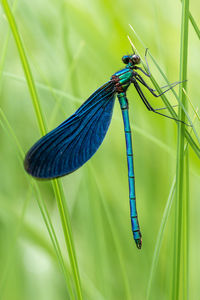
67,147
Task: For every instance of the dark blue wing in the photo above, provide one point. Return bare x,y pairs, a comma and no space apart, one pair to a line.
73,142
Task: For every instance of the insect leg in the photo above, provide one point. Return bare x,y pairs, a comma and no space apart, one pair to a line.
152,91
148,105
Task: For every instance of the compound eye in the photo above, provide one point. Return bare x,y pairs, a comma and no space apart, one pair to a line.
136,59
126,59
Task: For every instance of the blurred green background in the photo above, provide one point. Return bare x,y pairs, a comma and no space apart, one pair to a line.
73,47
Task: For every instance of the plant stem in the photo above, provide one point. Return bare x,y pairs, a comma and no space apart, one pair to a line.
40,118
180,219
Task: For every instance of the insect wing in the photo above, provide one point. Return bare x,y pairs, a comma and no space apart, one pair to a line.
73,142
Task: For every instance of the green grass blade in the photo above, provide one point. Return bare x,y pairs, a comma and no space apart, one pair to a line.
108,217
43,209
160,237
162,229
58,190
178,251
25,65
167,104
188,136
194,24
185,231
69,56
174,115
56,186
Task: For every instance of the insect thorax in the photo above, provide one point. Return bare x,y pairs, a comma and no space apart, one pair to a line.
122,79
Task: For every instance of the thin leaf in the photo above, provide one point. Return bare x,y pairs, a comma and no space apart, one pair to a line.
55,183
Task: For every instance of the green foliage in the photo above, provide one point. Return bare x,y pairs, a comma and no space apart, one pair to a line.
50,62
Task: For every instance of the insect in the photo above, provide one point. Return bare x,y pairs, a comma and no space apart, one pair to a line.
67,147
